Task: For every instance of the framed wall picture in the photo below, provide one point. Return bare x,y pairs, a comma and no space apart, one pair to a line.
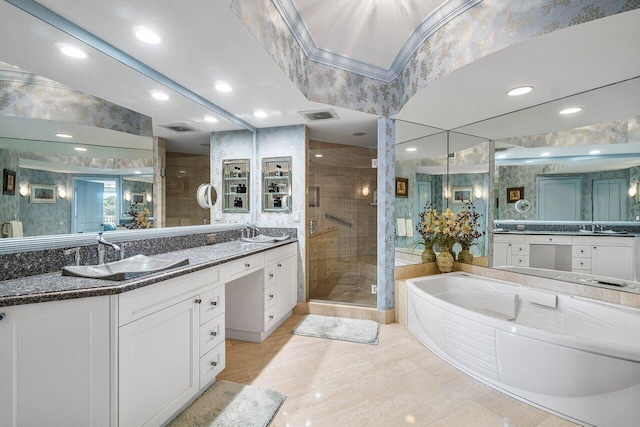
138,199
9,182
514,194
460,195
402,187
41,193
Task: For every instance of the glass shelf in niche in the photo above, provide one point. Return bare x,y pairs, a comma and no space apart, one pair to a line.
276,184
235,181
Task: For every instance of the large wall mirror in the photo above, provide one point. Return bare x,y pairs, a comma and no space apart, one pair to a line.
593,154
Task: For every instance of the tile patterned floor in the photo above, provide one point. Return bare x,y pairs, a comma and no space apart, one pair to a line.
396,383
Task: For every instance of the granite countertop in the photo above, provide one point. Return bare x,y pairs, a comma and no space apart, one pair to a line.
565,233
55,286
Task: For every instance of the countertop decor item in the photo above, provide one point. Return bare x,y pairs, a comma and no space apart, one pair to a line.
338,328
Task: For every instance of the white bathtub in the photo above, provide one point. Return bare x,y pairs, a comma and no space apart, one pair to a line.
579,359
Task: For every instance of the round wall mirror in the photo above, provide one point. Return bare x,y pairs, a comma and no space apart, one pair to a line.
206,196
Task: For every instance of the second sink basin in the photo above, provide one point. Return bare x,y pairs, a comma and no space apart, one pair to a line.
261,238
123,270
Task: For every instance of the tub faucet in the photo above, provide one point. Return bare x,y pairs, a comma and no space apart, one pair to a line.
101,244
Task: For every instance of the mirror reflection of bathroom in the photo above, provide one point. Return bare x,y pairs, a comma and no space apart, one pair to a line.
342,219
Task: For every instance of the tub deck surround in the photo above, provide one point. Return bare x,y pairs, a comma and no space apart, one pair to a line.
574,356
54,286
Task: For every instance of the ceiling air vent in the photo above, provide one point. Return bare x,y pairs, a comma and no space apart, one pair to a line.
181,127
315,115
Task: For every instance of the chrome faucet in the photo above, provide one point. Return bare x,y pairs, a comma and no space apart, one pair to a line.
75,252
101,244
255,230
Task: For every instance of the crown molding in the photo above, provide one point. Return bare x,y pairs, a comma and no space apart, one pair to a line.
441,16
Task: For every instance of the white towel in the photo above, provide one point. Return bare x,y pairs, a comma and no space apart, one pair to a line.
15,229
409,227
401,227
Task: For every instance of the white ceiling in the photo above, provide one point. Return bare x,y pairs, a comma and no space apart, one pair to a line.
371,31
204,42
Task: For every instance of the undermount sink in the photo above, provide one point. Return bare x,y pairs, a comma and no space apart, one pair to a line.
125,269
603,232
261,238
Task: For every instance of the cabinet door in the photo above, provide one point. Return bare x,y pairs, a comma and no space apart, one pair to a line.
287,286
54,363
612,261
501,254
158,364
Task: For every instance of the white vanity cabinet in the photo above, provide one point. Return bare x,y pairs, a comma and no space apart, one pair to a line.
510,249
603,256
259,302
55,363
171,345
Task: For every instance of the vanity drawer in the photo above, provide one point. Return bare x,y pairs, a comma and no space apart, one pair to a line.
280,253
581,251
269,275
580,264
519,249
212,304
520,260
238,268
211,334
269,296
269,318
211,364
551,240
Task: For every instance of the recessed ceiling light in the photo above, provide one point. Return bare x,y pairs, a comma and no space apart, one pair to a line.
412,149
501,156
522,90
64,135
260,114
79,148
571,110
137,172
72,51
146,35
545,154
223,87
210,119
160,96
594,152
359,134
318,155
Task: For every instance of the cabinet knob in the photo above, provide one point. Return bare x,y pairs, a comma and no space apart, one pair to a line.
582,263
198,301
214,334
270,296
247,265
2,316
595,247
214,303
279,265
270,275
214,363
271,316
581,251
509,244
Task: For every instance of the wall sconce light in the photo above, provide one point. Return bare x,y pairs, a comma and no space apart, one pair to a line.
633,189
127,196
149,197
365,190
24,190
477,192
62,192
445,193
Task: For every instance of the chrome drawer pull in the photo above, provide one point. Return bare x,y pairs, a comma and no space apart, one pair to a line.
214,333
214,363
279,265
271,316
214,302
270,295
270,275
247,265
198,301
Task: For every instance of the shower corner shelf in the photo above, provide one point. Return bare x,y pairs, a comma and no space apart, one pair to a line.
235,182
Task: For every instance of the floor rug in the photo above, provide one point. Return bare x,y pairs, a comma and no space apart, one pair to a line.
338,328
227,404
